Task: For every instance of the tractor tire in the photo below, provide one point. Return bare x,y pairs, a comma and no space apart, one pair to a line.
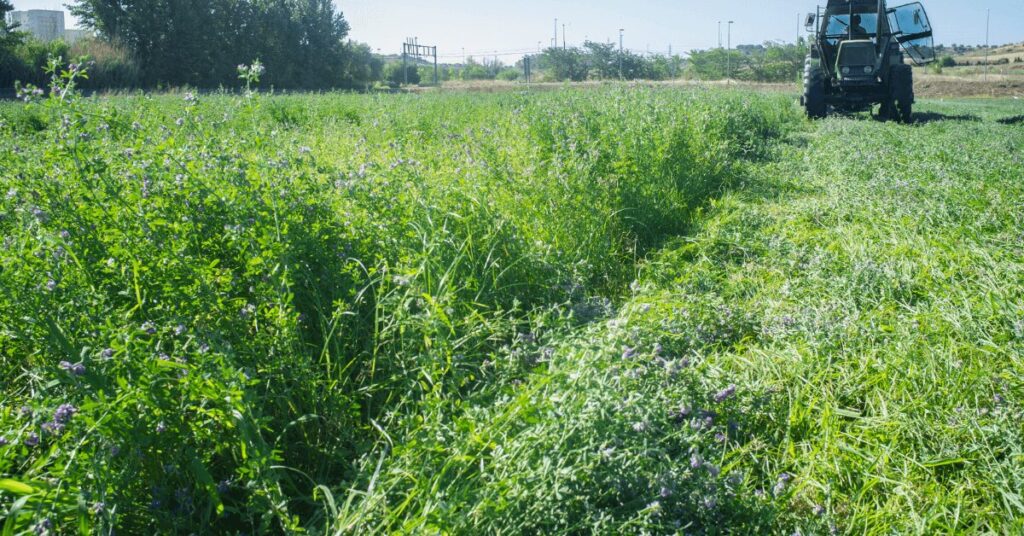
814,91
901,84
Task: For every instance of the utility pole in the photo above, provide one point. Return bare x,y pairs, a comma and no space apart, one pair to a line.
554,42
671,62
563,37
621,31
719,34
729,54
988,22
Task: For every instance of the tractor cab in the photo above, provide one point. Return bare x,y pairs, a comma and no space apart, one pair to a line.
858,55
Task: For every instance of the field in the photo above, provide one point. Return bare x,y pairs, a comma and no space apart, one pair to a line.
613,310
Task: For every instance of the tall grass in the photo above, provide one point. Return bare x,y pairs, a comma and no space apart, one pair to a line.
215,311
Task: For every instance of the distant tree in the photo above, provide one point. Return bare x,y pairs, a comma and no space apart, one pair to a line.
394,75
567,64
947,61
474,70
199,42
12,68
601,60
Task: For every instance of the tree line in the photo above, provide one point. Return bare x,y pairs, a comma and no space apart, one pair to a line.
166,43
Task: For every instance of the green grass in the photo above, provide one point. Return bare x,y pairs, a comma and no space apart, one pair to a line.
617,310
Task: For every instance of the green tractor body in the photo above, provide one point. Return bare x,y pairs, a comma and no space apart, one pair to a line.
858,57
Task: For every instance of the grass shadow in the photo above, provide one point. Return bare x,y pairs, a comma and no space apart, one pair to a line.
1015,120
931,117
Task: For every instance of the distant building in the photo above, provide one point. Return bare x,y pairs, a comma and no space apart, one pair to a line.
46,25
71,36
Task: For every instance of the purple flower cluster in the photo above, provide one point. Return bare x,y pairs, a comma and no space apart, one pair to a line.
64,413
780,485
77,369
725,394
149,328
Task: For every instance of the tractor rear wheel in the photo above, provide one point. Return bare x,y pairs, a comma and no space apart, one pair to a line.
814,91
901,82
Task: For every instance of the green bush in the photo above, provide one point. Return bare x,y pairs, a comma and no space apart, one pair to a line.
395,76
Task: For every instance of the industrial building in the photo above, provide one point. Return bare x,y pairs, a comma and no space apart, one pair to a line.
46,25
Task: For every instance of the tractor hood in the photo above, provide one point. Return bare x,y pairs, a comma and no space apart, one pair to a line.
857,60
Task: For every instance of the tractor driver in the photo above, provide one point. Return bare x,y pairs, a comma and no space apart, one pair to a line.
856,30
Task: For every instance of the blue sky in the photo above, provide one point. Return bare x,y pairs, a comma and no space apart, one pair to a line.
481,28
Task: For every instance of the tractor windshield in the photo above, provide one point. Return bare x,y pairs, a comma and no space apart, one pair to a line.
843,26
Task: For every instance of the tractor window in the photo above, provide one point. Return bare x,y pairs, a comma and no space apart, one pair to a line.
837,26
913,31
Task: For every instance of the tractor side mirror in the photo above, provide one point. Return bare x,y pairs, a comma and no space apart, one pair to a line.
809,21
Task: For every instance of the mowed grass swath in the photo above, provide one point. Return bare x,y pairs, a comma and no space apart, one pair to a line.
613,310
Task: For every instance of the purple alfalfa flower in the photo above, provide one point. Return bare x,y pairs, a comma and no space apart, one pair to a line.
161,427
148,327
98,508
712,469
65,234
64,413
25,411
305,150
51,285
44,527
709,503
248,310
180,330
53,428
658,349
696,460
725,394
107,353
39,214
223,487
640,427
32,440
628,353
78,369
819,510
665,492
65,365
720,437
4,441
780,486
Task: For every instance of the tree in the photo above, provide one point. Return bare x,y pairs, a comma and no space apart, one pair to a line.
11,66
566,64
199,42
395,77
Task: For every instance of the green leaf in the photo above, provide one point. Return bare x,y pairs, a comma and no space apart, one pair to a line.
15,487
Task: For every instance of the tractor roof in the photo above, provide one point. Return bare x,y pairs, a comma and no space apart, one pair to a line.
856,4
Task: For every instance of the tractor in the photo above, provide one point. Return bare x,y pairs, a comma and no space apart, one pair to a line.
858,58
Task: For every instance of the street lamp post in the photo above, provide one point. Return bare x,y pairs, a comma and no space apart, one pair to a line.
729,54
719,34
621,32
988,22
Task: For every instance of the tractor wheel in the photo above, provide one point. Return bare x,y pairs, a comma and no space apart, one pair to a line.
902,86
814,91
887,112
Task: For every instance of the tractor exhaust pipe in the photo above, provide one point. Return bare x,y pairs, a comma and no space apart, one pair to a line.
883,23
